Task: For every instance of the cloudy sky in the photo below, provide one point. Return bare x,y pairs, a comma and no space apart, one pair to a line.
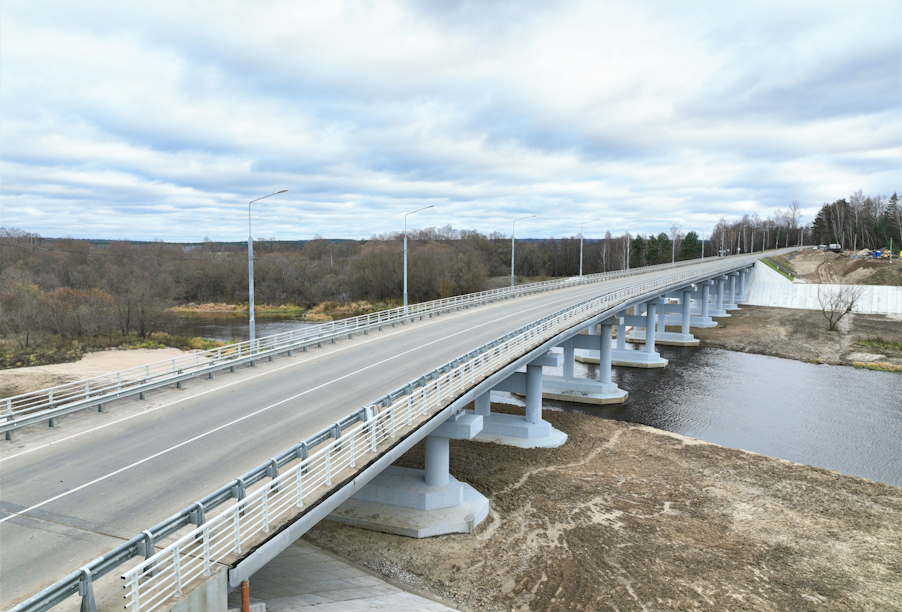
162,119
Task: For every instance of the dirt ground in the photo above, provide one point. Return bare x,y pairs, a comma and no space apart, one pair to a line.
827,267
626,517
23,380
803,335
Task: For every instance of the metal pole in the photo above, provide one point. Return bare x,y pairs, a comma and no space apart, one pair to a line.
513,240
405,250
250,266
581,227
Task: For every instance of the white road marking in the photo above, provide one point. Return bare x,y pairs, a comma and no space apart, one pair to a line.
247,416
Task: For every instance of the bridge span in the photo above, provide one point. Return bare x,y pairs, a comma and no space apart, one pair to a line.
101,481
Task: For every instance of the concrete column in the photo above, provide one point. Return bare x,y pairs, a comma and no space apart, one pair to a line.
604,358
685,303
706,296
651,320
732,289
742,274
437,461
569,358
533,393
720,293
621,335
592,329
484,404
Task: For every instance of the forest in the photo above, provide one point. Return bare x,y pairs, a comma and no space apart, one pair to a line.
63,289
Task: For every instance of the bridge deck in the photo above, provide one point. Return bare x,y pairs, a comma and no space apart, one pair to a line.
63,504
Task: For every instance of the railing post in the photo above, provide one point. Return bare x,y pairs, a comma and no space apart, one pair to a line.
299,483
208,562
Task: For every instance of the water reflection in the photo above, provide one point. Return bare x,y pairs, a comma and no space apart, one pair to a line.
833,417
229,327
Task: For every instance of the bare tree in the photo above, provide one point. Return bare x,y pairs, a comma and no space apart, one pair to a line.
837,301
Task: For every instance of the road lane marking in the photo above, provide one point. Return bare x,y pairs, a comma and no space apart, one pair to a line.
252,414
243,380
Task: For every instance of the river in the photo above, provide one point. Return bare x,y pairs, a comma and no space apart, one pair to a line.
834,417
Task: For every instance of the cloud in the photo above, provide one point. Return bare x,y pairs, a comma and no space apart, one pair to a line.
140,120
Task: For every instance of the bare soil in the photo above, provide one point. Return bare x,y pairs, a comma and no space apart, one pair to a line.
827,267
24,380
626,517
803,335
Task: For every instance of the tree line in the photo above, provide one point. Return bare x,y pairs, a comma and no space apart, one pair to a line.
72,288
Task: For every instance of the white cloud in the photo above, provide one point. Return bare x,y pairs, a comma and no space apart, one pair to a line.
162,119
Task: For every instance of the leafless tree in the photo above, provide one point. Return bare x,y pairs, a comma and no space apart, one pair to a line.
837,301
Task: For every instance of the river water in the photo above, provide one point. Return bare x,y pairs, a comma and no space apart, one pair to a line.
832,417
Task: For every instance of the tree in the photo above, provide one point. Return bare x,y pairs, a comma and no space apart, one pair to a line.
690,247
837,301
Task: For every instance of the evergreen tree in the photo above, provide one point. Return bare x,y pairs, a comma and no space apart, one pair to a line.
637,254
690,247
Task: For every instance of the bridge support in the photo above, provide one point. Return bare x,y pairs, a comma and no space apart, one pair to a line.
648,358
421,503
684,337
730,298
740,299
719,311
529,431
568,388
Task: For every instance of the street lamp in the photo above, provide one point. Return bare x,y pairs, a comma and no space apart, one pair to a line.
405,250
513,231
581,244
628,245
703,240
250,262
675,229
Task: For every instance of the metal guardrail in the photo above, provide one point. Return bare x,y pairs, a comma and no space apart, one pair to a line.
164,575
49,404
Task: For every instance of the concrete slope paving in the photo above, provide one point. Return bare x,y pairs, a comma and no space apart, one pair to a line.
63,504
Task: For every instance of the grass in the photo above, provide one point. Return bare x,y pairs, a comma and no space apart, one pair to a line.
65,350
885,345
776,267
879,366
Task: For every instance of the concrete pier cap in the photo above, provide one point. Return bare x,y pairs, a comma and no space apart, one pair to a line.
421,503
529,431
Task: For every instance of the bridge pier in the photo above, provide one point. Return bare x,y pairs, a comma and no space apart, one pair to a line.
421,503
740,299
648,358
730,298
602,390
719,310
529,431
684,337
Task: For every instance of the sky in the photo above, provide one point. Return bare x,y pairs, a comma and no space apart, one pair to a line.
162,120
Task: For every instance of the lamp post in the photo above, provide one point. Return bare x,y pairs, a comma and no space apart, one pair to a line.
581,244
405,250
250,264
703,240
629,245
513,241
674,229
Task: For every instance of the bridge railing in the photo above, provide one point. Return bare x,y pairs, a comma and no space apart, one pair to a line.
48,404
163,577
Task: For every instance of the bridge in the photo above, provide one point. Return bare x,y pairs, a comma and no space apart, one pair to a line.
178,485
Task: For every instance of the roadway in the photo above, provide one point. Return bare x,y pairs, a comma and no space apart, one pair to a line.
66,500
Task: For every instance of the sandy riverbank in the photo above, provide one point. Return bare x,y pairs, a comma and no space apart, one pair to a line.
626,517
24,380
803,335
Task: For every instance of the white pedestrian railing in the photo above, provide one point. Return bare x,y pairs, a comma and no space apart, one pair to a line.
158,580
27,408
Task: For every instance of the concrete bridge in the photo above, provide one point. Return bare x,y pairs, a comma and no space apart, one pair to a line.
111,481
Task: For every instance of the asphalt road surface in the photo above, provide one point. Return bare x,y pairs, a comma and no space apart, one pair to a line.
70,495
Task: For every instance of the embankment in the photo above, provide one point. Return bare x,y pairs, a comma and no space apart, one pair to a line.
626,517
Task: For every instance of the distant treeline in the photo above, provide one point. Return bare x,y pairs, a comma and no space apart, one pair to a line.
73,288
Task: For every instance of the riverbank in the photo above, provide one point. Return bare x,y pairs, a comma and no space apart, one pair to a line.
627,517
802,335
25,380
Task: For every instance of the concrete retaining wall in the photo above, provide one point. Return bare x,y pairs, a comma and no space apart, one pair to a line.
874,299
